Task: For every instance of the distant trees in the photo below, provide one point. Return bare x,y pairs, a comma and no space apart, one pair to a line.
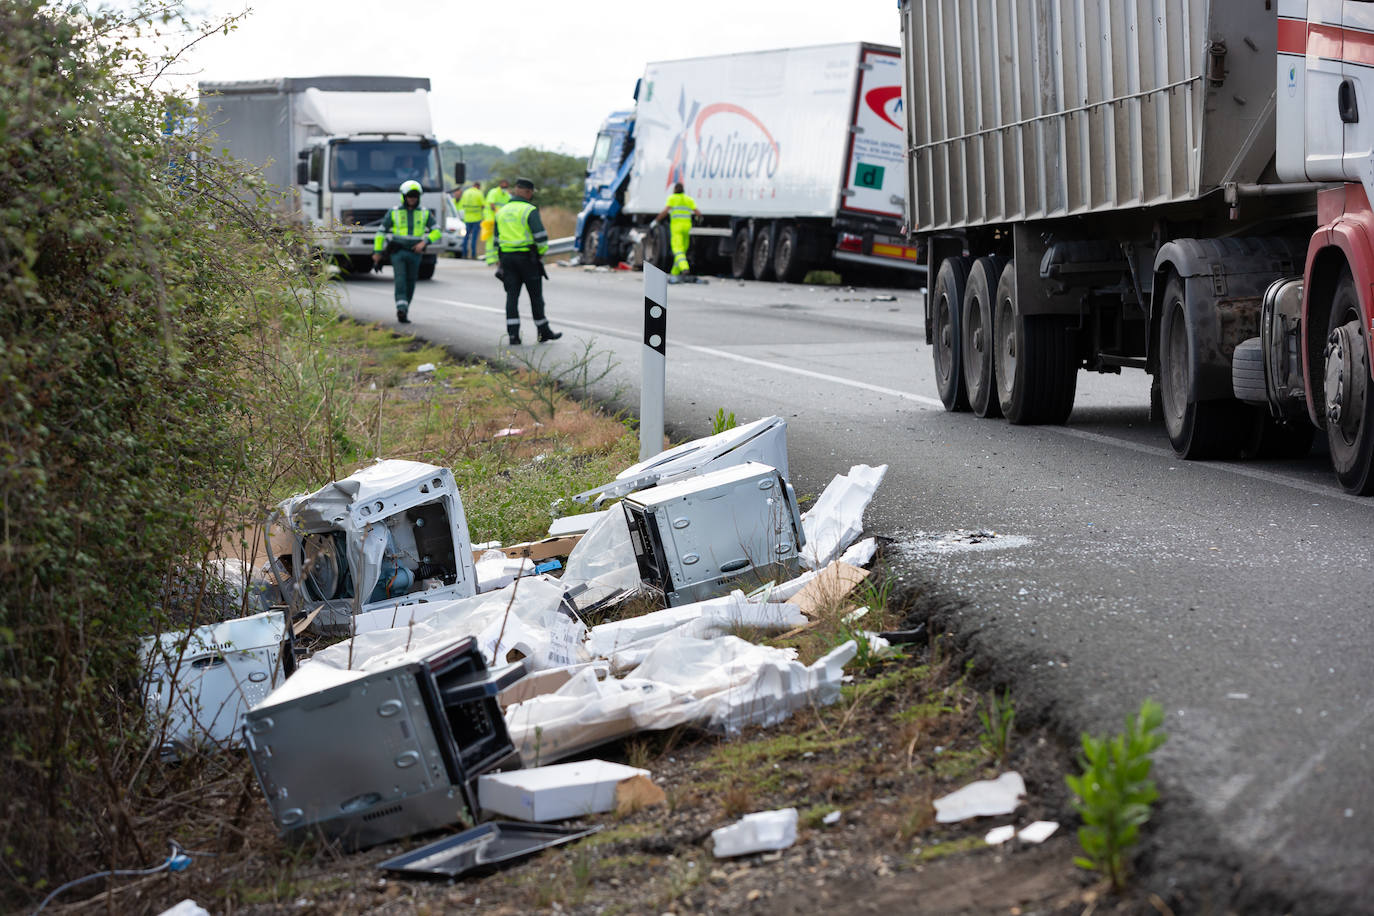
557,176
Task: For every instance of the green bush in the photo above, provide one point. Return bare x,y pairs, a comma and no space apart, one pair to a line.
1114,794
136,410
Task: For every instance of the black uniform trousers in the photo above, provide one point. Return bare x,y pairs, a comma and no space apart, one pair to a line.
522,268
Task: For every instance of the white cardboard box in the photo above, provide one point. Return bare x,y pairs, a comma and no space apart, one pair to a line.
554,793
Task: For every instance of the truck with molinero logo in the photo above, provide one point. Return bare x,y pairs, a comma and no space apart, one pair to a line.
1181,187
337,148
793,156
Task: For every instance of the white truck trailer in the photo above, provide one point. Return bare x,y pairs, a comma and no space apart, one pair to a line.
1180,186
338,147
794,158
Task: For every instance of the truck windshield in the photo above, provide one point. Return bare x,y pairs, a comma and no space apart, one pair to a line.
602,151
381,165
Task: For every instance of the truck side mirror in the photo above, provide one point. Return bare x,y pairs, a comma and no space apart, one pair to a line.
460,171
302,173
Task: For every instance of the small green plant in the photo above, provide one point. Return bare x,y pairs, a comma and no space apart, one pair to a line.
1115,793
721,421
997,716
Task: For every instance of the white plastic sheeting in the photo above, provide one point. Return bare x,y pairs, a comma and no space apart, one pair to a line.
837,518
724,684
603,563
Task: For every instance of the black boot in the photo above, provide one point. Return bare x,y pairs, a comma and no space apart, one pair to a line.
546,334
401,317
515,340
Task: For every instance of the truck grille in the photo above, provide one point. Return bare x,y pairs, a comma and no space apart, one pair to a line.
361,217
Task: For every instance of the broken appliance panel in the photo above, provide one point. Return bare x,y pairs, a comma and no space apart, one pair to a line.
389,754
764,441
199,683
391,534
701,537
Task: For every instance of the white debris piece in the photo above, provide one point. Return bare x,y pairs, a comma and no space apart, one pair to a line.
762,831
576,524
860,553
831,819
426,367
528,616
625,642
764,441
496,570
187,907
603,562
984,798
200,682
554,793
837,518
999,835
1038,832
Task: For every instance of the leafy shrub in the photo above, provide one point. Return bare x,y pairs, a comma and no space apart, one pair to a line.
1114,794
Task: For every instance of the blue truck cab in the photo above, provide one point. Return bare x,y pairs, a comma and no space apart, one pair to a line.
608,172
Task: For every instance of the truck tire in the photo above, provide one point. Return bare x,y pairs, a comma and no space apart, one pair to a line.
947,303
1270,438
1348,401
739,258
591,241
1035,368
1196,429
763,253
426,271
789,262
978,350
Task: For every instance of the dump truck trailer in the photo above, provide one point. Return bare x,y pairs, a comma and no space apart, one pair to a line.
793,156
1181,187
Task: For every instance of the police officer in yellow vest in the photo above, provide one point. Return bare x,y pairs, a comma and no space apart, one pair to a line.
521,240
497,198
680,208
405,233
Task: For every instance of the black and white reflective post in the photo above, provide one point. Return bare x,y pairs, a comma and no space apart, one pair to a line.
653,374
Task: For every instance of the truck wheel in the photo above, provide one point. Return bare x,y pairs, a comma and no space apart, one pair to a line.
739,258
426,271
1348,405
591,241
978,350
763,254
788,261
1034,366
1196,429
948,296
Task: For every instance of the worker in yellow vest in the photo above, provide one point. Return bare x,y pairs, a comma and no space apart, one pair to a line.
471,206
497,197
679,210
521,240
405,233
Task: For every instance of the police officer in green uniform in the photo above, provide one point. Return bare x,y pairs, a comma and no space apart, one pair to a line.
520,240
405,233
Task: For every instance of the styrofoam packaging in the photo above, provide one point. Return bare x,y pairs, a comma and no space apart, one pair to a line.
554,793
762,831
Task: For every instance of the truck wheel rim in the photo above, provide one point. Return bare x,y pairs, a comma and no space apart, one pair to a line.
944,341
1174,377
1346,381
1004,331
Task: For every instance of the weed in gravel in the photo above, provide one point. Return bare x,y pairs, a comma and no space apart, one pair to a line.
813,818
1114,794
997,716
949,848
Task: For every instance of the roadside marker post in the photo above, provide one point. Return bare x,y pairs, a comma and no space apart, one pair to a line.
653,374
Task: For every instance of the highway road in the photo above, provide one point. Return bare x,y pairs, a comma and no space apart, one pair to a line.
1236,594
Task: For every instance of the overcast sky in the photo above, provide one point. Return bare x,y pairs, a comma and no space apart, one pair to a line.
534,73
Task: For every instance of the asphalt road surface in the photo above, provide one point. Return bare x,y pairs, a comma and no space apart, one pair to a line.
1092,566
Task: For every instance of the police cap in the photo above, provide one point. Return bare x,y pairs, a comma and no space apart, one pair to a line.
524,183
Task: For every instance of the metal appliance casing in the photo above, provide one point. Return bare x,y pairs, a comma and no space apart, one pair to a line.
700,537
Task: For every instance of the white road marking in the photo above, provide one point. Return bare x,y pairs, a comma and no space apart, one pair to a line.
1269,477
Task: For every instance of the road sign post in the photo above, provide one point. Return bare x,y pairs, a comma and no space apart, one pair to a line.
653,376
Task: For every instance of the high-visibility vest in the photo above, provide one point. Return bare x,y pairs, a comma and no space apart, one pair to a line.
513,226
403,223
472,203
497,198
680,207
